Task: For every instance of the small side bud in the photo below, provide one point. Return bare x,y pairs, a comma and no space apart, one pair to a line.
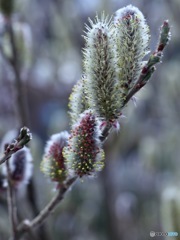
84,154
154,59
165,36
53,163
24,134
24,137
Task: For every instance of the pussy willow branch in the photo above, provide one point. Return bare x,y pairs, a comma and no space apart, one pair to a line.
11,203
27,225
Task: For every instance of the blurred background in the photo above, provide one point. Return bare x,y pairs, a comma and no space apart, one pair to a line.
138,190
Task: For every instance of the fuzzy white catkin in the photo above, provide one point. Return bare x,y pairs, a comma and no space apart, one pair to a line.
100,84
131,45
58,138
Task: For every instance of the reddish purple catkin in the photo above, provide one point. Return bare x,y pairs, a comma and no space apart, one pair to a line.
84,154
53,163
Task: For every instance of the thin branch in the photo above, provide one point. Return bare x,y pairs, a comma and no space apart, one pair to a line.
50,207
135,89
106,131
6,157
42,216
11,203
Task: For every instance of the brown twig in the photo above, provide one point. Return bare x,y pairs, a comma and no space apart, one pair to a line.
106,131
42,216
6,157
